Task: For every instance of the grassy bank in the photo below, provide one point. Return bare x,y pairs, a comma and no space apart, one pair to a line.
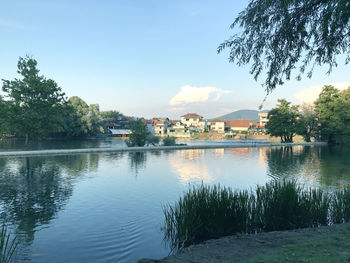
327,247
207,212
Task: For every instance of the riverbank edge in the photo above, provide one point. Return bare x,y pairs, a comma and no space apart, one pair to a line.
244,247
147,149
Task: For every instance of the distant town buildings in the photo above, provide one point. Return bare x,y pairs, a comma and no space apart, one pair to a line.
191,123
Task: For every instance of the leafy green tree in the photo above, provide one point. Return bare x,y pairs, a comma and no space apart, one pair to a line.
81,119
307,124
152,139
95,120
110,115
333,113
36,102
283,121
139,133
281,35
77,121
4,117
327,110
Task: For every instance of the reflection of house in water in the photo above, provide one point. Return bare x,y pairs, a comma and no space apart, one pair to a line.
240,151
263,155
191,154
189,170
218,152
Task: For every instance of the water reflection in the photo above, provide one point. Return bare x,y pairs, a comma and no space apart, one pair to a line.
137,161
32,191
315,166
189,167
335,166
243,152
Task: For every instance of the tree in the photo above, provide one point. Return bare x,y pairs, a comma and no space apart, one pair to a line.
333,113
139,133
81,119
307,125
95,119
76,117
110,115
36,102
276,34
283,121
4,117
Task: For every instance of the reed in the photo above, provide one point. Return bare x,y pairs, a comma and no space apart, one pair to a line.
8,246
207,212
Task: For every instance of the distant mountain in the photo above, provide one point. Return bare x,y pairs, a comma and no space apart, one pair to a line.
251,115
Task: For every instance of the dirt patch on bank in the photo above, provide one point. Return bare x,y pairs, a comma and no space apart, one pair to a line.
240,248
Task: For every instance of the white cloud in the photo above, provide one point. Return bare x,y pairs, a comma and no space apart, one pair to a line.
311,94
189,94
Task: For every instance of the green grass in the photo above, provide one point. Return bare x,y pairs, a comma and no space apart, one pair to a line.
208,212
327,247
8,246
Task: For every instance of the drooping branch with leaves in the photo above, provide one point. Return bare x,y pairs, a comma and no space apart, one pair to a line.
281,36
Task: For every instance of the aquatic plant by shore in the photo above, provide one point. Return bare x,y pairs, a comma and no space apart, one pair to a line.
8,246
207,212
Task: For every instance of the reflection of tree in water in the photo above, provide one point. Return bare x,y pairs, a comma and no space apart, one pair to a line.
137,161
33,193
322,166
33,190
335,166
286,161
76,164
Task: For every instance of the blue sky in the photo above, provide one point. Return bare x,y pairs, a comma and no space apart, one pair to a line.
143,58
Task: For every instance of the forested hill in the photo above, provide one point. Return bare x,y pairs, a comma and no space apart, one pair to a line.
251,115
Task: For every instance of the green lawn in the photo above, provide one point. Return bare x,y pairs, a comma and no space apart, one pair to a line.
327,247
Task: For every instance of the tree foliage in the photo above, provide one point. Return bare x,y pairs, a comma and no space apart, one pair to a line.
333,113
110,115
35,102
139,133
283,121
307,125
278,34
81,119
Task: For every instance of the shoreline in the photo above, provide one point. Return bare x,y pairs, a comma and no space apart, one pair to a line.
250,247
157,148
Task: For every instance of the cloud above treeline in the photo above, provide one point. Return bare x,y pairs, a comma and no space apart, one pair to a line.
189,94
311,94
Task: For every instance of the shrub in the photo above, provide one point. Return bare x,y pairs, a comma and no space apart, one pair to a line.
207,212
169,141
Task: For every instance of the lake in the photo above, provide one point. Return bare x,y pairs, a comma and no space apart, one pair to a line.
107,207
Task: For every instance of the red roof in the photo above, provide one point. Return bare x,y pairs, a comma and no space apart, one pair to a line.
192,115
217,120
240,123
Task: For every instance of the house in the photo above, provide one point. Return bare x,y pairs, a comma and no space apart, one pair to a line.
160,126
120,127
263,118
179,130
217,125
240,125
191,119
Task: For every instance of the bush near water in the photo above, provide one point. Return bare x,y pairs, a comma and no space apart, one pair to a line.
207,212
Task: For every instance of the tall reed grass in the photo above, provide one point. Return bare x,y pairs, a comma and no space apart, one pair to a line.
207,212
8,246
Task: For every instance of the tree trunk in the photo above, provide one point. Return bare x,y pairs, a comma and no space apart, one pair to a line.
27,137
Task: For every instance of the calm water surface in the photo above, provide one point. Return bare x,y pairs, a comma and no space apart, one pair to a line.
108,207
